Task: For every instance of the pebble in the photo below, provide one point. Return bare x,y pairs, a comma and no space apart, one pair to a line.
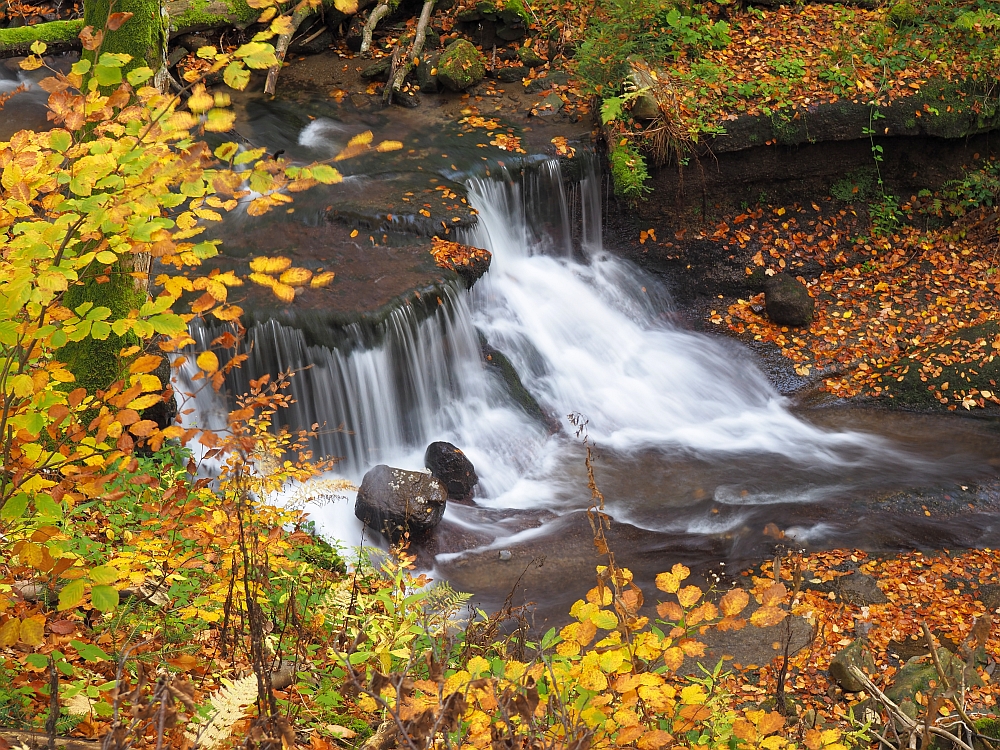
505,555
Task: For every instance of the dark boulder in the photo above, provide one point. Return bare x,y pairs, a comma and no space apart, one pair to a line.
454,470
427,78
787,301
396,501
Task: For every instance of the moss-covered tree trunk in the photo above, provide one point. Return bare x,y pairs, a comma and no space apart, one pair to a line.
121,287
143,36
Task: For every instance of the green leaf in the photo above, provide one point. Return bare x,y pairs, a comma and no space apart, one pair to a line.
326,174
139,76
89,652
205,250
22,386
100,330
611,109
38,661
168,324
245,157
236,76
65,667
359,656
257,55
103,574
81,68
15,506
72,594
104,598
60,140
604,619
107,75
48,507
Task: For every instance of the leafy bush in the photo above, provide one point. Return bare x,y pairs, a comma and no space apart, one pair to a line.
628,170
621,29
903,13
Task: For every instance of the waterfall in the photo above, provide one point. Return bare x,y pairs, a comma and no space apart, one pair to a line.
587,333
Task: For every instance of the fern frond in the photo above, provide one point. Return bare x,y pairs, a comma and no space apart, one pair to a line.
227,705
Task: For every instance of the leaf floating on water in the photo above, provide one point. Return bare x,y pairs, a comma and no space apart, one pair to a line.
386,146
283,292
322,279
263,279
296,276
265,264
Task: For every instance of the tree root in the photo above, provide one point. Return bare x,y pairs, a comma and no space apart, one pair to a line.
412,54
302,11
381,11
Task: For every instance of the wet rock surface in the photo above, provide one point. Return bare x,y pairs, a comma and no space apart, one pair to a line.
453,469
395,502
787,301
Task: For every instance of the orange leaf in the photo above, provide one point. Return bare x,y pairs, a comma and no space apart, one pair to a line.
688,596
765,617
734,602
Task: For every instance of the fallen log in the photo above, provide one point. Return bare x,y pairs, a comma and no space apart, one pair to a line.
185,16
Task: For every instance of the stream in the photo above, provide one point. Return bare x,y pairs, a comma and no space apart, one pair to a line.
695,450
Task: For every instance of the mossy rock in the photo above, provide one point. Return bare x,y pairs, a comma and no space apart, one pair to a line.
529,57
461,66
905,386
916,676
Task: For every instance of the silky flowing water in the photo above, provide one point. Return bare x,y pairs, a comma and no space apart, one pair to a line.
695,450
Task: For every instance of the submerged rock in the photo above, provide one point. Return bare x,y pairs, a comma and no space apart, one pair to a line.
787,301
453,468
396,501
461,66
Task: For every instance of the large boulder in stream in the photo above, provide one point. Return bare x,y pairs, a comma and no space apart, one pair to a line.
453,468
461,66
396,501
787,301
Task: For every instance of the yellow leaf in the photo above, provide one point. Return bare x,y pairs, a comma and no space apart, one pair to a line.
774,742
262,279
668,582
10,631
144,402
477,665
386,146
767,616
200,100
208,362
296,276
347,7
361,139
688,596
680,571
693,695
282,25
265,264
283,292
33,631
770,722
322,279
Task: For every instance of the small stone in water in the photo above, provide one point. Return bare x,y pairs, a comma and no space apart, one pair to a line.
505,555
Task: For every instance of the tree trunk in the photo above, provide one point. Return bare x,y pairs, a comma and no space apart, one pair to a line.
94,363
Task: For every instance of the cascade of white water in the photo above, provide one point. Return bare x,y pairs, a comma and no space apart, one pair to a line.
585,332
